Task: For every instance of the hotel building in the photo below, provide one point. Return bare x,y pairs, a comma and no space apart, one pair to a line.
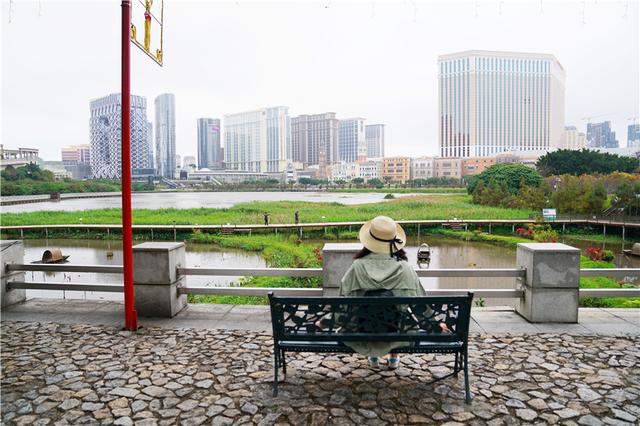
491,102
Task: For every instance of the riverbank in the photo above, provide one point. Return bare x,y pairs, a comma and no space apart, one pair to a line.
453,190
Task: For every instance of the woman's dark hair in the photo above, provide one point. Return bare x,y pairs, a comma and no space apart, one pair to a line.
399,255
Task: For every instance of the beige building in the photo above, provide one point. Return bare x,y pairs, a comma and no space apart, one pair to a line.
573,139
422,168
475,165
397,168
491,102
448,167
76,154
345,171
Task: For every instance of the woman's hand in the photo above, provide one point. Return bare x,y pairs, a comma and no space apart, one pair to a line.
444,328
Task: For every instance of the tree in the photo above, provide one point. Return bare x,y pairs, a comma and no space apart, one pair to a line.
357,180
585,161
375,182
10,173
511,175
304,181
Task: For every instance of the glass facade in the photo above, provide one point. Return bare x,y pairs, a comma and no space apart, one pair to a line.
351,140
258,141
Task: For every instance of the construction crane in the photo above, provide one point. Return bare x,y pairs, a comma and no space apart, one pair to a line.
589,118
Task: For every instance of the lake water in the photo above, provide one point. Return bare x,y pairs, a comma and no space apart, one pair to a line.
185,200
445,253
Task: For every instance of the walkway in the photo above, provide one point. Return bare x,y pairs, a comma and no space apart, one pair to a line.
257,318
89,374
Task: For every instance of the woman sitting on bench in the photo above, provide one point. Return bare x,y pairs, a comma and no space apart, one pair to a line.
381,269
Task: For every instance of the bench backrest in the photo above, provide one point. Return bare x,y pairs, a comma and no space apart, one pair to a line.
371,318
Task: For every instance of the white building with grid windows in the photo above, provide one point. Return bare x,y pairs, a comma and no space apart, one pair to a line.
374,136
105,125
352,145
165,106
490,102
258,141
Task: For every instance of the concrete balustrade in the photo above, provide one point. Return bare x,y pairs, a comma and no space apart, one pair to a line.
336,258
549,290
12,253
552,283
156,280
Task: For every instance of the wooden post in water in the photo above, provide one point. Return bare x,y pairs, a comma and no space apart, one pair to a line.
418,231
151,234
489,227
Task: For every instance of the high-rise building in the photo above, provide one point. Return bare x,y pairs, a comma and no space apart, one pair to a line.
352,145
165,106
314,140
209,148
374,135
258,141
105,126
572,139
75,154
151,150
491,102
633,136
599,135
76,159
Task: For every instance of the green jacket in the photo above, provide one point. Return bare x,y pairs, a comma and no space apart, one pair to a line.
379,271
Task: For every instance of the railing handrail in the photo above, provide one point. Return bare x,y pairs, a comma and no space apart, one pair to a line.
314,272
493,293
256,272
64,267
609,272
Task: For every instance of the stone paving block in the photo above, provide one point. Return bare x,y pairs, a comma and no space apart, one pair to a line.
225,378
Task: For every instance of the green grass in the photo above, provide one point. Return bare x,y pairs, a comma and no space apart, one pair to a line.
406,208
280,251
585,262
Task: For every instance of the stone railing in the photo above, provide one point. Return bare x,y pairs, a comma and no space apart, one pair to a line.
546,279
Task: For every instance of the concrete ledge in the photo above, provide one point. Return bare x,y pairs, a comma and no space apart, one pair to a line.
592,321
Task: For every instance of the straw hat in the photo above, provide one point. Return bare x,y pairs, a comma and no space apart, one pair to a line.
382,235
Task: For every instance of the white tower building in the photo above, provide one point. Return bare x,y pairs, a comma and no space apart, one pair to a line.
491,102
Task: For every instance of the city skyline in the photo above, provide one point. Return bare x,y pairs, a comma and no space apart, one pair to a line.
398,36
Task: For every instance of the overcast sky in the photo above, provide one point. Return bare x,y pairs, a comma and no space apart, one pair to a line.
371,59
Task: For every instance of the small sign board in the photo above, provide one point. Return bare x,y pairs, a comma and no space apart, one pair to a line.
147,27
549,214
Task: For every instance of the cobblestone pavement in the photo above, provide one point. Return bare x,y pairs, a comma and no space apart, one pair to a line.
71,374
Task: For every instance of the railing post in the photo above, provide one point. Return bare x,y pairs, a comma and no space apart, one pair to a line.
551,286
156,280
12,252
336,259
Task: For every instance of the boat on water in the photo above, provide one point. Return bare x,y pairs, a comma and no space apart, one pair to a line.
53,256
634,251
424,253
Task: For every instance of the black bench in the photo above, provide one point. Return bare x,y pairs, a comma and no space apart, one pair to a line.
324,324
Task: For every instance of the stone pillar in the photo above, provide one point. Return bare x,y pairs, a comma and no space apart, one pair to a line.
551,285
156,280
336,259
12,252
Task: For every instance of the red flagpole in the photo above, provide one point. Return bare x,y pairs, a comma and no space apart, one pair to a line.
130,314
